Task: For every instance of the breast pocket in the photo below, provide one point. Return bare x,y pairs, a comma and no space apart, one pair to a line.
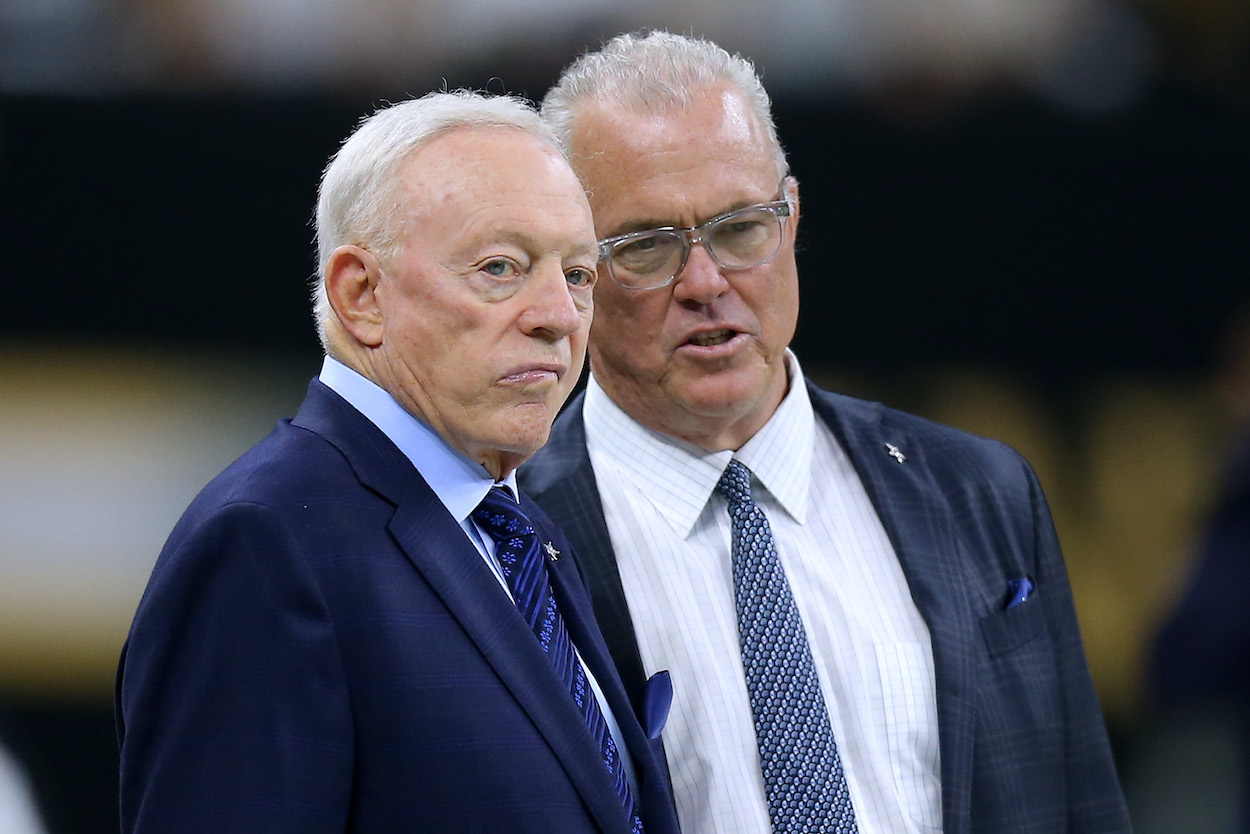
1020,751
1006,631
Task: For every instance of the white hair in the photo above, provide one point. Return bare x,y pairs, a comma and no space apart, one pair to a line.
359,194
656,72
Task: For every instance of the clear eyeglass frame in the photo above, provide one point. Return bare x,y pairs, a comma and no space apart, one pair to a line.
703,233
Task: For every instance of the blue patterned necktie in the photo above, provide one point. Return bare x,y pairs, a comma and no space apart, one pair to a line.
803,776
525,569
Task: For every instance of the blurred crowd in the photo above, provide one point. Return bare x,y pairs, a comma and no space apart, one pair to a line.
1087,54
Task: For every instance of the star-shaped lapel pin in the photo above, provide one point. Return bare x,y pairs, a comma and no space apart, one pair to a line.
552,553
894,452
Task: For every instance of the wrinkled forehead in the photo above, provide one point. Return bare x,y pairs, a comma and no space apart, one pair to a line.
719,116
667,166
479,153
473,165
478,187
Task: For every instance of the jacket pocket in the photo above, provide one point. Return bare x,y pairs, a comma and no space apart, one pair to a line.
1005,631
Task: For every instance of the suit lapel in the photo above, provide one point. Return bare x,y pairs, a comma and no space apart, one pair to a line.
567,490
652,789
916,518
439,550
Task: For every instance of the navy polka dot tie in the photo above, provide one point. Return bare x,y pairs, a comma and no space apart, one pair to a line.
803,776
521,558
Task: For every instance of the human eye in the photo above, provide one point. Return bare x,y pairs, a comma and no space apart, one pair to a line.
744,231
500,268
639,245
580,277
743,225
647,253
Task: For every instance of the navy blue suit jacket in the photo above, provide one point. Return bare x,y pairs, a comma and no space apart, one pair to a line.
321,649
1023,744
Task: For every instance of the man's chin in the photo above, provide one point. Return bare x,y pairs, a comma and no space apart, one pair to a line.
721,395
526,437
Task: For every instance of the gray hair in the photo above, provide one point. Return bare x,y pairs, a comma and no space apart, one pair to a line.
656,72
359,193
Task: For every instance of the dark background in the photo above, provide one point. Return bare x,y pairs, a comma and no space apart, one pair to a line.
1001,231
1006,231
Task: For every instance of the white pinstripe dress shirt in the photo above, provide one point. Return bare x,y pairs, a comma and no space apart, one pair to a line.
671,536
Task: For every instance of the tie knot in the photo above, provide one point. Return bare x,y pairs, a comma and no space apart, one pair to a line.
502,517
735,483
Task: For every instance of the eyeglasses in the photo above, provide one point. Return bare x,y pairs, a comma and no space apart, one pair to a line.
738,239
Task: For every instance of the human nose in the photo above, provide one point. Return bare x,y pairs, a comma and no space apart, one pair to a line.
700,279
551,311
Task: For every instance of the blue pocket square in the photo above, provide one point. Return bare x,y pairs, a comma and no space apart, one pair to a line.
656,700
1018,591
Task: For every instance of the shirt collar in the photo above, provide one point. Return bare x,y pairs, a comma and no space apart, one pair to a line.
459,482
679,478
780,453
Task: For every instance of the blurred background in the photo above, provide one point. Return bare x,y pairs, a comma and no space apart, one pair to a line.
1027,218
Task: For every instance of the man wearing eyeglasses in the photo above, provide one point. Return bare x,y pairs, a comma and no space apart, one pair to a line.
866,616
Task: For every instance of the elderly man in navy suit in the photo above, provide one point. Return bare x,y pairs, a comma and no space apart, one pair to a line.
866,616
357,627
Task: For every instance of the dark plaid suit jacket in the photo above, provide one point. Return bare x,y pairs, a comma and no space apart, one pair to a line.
321,649
1023,744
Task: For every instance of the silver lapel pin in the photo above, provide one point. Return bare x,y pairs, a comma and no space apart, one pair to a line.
895,453
552,553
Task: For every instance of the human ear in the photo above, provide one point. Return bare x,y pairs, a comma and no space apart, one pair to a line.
352,274
790,193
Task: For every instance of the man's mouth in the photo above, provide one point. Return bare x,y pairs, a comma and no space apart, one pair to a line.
711,338
531,374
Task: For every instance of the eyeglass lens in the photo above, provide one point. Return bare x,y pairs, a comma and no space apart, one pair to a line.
737,241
